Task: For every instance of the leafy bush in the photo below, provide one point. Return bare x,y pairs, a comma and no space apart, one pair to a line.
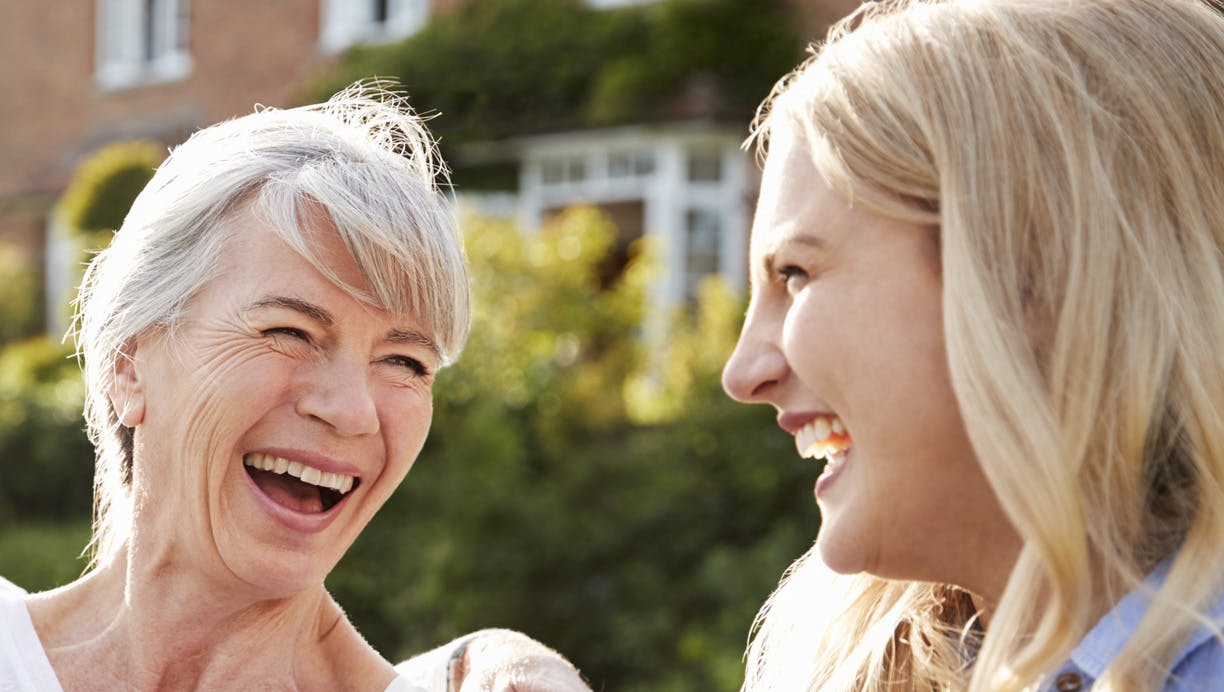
38,556
638,539
47,460
497,68
19,297
105,185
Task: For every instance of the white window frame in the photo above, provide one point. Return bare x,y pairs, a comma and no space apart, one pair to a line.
349,22
141,41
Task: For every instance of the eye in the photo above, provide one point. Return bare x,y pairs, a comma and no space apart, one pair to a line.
793,278
408,363
287,331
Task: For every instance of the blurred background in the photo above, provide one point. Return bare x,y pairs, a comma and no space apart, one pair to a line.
585,481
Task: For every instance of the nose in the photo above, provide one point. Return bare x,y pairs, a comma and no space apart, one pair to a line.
756,366
338,393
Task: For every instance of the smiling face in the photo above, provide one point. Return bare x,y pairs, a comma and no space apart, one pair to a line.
845,333
275,385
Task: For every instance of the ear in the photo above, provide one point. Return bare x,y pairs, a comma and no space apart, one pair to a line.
127,387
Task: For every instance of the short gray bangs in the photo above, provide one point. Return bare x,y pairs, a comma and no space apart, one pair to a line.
398,230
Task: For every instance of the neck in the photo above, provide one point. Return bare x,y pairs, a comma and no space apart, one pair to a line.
1105,586
150,624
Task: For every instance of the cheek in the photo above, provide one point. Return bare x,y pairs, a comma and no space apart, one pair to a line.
406,423
813,339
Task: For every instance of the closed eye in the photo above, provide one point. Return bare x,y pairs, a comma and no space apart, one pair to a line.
408,363
287,331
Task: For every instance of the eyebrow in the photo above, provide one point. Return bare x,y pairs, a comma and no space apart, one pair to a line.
318,314
310,310
412,336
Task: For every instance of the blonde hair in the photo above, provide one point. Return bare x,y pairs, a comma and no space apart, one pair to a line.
363,157
1069,153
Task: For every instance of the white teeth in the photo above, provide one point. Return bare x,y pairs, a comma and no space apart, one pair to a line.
312,476
340,482
824,436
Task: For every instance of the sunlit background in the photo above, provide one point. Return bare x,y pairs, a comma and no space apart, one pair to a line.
586,481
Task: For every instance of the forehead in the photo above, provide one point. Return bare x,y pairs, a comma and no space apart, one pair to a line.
252,237
795,200
258,257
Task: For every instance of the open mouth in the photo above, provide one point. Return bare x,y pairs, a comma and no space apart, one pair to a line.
298,487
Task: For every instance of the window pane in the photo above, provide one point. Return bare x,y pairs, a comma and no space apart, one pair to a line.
705,166
702,239
552,172
576,170
179,22
150,41
619,165
644,163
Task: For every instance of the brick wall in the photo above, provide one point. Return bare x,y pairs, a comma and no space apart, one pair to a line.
53,114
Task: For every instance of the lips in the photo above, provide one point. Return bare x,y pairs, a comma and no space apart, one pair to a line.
301,495
297,485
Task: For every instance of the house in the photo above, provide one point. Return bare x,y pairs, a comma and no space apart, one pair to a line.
82,73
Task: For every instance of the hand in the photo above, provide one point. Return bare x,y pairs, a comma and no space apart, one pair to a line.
493,660
507,661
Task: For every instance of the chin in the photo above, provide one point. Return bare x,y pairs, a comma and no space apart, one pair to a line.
840,554
278,573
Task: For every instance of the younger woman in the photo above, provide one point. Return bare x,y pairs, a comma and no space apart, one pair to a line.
988,287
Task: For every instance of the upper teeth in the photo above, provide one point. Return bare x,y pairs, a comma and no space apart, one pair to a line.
339,482
824,436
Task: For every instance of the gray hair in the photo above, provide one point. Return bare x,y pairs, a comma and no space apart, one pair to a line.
363,156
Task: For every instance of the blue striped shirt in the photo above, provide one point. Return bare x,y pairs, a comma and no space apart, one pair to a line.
1199,667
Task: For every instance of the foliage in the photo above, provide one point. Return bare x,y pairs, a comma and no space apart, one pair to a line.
47,459
38,556
19,296
104,187
638,539
498,68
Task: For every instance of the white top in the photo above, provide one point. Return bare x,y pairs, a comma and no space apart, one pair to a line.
23,662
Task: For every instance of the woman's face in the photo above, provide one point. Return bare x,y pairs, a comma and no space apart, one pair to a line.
844,337
277,385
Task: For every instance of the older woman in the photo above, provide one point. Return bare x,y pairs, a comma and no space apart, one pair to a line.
988,288
260,342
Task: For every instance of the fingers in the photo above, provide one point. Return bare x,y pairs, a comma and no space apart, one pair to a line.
507,661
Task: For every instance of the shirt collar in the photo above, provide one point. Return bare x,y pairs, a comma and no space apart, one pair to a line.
1105,640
